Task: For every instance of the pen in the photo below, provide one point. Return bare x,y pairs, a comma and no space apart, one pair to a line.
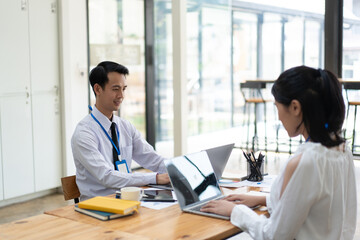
158,200
244,178
254,159
246,157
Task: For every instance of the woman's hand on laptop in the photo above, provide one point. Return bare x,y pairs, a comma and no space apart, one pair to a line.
246,199
221,207
162,178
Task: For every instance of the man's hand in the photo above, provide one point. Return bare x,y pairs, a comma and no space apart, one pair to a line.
162,178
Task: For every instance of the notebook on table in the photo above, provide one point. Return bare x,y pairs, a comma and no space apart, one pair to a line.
194,182
100,214
111,205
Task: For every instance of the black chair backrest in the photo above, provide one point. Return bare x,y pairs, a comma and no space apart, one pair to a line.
351,85
253,84
253,88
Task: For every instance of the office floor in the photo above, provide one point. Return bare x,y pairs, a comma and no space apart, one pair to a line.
39,205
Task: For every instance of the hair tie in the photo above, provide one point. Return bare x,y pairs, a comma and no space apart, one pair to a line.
326,125
323,75
321,71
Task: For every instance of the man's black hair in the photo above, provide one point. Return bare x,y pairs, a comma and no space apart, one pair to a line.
99,73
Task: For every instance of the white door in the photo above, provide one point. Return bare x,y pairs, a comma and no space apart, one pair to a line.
15,105
14,47
16,134
47,142
44,56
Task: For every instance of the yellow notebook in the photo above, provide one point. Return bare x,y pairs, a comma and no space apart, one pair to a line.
111,205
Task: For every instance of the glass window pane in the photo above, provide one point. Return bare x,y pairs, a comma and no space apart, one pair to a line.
314,46
271,46
163,77
351,40
208,69
244,56
208,57
294,41
116,33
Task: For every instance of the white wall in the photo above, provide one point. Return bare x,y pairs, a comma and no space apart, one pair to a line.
74,75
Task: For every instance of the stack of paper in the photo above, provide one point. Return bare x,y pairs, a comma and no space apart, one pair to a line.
266,183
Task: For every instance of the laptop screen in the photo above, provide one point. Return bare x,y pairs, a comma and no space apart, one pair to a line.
219,156
192,178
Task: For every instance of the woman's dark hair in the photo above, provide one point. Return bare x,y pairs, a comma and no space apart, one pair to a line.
320,95
99,73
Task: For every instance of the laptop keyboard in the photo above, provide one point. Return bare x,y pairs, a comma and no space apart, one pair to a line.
197,208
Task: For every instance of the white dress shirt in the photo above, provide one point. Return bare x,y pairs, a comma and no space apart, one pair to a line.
93,156
319,201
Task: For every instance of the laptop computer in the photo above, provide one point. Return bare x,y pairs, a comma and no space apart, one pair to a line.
219,157
194,182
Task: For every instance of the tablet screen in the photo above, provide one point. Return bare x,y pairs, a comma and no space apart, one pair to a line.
158,195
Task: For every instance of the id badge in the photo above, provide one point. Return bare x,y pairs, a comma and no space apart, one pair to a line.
122,166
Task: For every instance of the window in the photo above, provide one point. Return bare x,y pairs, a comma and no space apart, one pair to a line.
116,33
351,40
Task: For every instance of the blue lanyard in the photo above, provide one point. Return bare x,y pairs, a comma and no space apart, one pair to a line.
308,139
117,131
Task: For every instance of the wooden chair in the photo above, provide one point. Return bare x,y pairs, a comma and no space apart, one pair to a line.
70,189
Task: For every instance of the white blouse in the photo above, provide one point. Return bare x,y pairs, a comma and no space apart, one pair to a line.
319,201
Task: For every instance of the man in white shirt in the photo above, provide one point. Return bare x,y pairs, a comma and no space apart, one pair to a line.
101,166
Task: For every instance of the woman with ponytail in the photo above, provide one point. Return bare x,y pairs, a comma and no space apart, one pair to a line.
314,196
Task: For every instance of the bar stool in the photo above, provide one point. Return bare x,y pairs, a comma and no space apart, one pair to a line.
251,91
349,87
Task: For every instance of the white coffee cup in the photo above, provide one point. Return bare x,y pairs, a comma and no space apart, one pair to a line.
132,193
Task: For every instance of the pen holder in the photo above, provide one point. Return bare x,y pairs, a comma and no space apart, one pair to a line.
255,173
255,167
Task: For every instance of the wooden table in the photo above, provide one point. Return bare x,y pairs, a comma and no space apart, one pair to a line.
167,223
50,227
